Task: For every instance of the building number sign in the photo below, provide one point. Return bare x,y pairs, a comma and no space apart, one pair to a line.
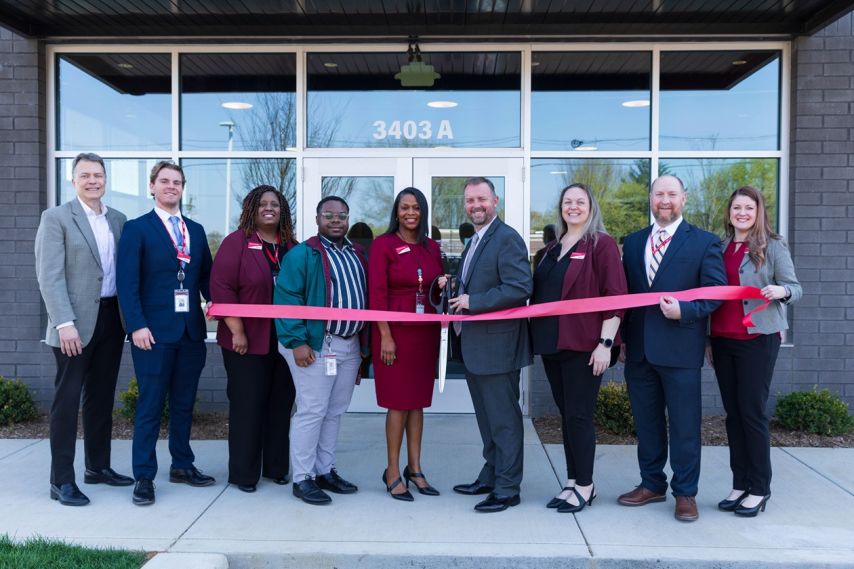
410,130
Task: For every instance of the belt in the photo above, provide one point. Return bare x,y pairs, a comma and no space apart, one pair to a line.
109,299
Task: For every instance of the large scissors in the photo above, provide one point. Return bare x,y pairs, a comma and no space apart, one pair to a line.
440,300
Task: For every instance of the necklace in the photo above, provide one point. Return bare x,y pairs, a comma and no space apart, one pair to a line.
402,238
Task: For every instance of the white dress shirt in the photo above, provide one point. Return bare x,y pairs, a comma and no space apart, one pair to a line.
671,231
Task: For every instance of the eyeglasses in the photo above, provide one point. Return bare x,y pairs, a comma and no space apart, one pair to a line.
329,216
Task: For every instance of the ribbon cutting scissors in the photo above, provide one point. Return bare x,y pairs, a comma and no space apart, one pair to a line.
440,298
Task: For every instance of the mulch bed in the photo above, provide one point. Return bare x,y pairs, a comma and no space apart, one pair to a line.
713,431
206,426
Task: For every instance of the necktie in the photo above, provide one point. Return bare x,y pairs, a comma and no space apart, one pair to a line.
657,254
176,231
458,326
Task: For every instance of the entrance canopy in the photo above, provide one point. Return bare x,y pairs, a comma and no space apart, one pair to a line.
534,19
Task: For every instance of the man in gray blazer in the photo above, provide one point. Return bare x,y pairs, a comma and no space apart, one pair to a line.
76,269
495,274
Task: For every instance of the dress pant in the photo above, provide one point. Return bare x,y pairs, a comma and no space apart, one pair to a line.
652,390
575,390
173,370
261,396
92,373
321,400
496,406
744,369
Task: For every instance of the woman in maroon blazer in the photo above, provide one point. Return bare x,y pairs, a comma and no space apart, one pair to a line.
576,349
260,387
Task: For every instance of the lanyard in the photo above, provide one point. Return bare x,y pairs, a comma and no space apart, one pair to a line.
183,253
273,258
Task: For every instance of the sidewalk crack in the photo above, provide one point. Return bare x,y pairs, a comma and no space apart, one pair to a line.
197,518
826,477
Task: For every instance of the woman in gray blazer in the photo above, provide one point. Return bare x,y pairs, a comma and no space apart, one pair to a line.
744,346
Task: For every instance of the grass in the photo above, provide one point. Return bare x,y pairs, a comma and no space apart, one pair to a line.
40,553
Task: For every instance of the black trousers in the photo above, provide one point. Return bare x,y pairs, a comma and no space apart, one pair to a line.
575,390
744,369
93,373
261,395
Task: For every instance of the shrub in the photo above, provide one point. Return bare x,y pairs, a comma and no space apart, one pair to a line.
16,403
819,412
129,398
613,411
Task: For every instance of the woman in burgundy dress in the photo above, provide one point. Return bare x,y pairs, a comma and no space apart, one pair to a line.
403,263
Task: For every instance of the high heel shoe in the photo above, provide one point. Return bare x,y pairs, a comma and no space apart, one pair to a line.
557,501
567,508
403,496
754,511
408,476
728,505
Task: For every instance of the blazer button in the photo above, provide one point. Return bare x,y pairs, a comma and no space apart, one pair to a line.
741,271
100,278
745,302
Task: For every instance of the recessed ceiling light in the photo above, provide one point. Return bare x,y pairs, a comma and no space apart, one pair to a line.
636,103
237,105
558,172
535,63
583,148
330,64
124,65
739,62
442,104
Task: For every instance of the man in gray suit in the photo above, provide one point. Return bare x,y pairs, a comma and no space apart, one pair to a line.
495,274
76,270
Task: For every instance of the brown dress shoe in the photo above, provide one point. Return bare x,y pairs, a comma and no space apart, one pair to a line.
640,496
686,509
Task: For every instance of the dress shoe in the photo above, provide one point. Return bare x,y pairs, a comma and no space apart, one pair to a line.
752,512
281,481
569,508
557,501
248,488
106,476
476,487
143,492
335,484
404,496
192,476
495,503
308,491
68,494
686,509
427,490
640,496
728,505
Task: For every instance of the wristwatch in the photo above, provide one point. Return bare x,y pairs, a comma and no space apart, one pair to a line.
607,342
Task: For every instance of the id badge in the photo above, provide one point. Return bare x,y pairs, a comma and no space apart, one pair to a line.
329,361
419,303
182,300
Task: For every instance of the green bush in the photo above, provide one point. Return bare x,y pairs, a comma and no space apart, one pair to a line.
129,398
16,403
613,411
819,412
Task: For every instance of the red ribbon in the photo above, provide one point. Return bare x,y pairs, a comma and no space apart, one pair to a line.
561,307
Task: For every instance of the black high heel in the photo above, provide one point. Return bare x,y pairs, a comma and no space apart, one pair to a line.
754,511
403,496
556,501
427,490
567,508
730,505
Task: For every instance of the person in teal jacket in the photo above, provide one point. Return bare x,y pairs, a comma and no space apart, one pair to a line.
326,270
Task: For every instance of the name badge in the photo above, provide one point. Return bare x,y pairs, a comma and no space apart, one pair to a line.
419,303
183,257
255,246
331,364
182,300
402,249
576,256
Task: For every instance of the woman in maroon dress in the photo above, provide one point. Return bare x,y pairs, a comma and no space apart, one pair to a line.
403,263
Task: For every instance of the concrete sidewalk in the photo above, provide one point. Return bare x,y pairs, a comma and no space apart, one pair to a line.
809,521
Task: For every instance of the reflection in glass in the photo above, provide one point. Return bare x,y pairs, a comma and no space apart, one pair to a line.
620,185
370,199
238,101
710,182
113,102
127,184
720,100
355,101
590,101
206,192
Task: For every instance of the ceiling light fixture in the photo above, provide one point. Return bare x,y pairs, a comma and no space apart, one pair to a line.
442,104
416,73
558,172
330,64
636,103
586,148
124,65
740,62
236,105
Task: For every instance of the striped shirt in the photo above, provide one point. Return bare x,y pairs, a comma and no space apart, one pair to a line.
349,285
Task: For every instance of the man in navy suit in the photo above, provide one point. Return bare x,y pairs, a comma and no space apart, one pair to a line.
664,346
164,264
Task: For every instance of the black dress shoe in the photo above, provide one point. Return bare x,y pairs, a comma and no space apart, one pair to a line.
248,488
556,501
68,494
408,476
281,481
192,476
106,476
494,503
335,484
476,487
308,491
728,505
143,492
404,496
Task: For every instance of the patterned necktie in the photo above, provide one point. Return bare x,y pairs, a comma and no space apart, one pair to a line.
657,255
458,326
176,231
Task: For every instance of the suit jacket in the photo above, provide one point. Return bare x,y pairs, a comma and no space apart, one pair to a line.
146,278
68,268
241,275
693,259
499,277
